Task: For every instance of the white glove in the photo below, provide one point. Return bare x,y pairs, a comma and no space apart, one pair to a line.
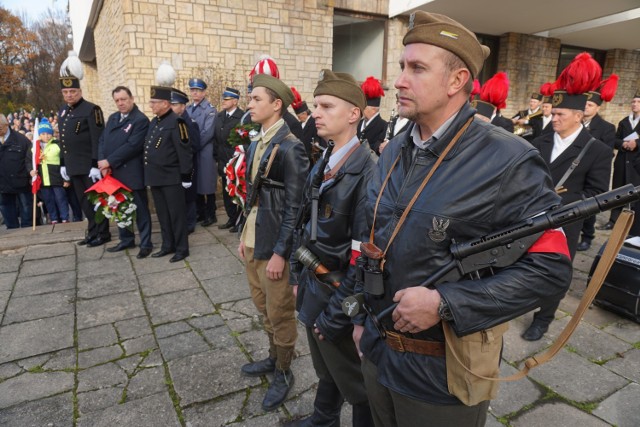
95,174
186,185
63,173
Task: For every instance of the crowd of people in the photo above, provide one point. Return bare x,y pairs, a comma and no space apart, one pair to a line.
341,203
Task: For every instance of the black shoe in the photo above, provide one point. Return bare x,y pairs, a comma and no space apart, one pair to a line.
209,221
144,252
179,257
84,241
302,422
535,332
261,367
607,226
226,225
278,389
161,253
121,247
234,229
584,246
98,241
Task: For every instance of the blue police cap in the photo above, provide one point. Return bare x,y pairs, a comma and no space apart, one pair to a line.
197,84
230,92
179,97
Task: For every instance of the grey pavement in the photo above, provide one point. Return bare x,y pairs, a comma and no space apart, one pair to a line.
91,338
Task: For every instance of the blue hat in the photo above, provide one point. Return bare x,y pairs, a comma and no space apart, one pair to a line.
230,92
197,84
179,97
45,127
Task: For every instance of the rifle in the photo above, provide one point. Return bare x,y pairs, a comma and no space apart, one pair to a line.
252,198
316,182
503,247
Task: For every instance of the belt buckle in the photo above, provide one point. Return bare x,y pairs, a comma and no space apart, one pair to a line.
398,338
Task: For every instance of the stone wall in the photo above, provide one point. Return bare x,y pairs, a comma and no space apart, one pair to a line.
624,63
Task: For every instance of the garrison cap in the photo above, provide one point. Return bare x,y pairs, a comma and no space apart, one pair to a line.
341,85
282,90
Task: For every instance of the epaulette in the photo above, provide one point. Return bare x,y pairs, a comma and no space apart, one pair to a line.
97,111
184,132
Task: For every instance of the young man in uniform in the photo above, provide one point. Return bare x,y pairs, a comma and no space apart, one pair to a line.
266,241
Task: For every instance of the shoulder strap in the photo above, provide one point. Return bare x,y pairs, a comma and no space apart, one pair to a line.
329,175
574,164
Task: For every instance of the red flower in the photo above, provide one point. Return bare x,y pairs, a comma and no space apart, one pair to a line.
120,197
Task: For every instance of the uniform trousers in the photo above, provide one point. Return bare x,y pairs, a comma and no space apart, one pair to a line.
392,409
143,222
80,184
169,203
338,363
275,301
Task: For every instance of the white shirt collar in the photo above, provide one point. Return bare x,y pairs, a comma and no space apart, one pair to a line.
559,144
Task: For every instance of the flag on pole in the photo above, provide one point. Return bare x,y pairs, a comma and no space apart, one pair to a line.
36,182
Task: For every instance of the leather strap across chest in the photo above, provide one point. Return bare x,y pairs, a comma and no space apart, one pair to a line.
332,173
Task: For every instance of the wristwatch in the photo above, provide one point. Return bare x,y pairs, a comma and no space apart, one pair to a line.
444,311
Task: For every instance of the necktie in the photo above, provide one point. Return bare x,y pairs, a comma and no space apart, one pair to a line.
122,117
2,140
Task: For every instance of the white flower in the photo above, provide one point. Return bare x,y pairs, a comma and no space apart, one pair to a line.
107,214
120,224
95,208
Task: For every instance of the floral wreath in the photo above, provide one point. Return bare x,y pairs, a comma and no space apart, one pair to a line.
236,169
114,201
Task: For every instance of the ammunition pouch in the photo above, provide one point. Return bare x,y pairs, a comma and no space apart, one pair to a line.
370,267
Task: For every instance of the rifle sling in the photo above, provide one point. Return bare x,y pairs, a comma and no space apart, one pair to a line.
272,157
332,173
574,164
618,235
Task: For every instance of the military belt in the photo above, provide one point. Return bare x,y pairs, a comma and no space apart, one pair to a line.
403,344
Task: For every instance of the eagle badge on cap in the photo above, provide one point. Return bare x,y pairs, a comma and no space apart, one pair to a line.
153,92
557,99
321,76
449,34
412,19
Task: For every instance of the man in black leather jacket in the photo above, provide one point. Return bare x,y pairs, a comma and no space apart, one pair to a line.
341,225
267,235
488,180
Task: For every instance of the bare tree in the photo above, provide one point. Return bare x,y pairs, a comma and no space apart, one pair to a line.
15,42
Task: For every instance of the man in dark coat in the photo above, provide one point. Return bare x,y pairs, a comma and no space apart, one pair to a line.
603,131
589,178
81,123
168,171
626,143
120,152
16,201
341,223
227,119
179,101
541,124
372,127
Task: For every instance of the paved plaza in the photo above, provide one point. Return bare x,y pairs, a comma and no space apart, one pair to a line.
91,338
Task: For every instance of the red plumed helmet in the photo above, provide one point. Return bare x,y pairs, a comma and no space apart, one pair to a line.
265,65
297,98
582,75
608,88
475,90
495,90
547,89
372,91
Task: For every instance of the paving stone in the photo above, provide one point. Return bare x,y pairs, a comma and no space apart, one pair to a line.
152,360
517,349
270,419
595,344
145,383
96,400
220,337
577,379
155,265
53,265
208,252
209,375
98,356
227,288
305,375
218,413
178,305
182,345
242,325
27,339
50,411
8,370
621,408
492,422
302,405
36,252
140,344
628,365
35,362
152,411
513,395
108,309
239,309
206,322
130,364
33,307
106,284
167,281
556,414
4,298
625,330
103,266
10,263
133,328
30,386
600,317
99,336
62,360
53,282
254,342
7,279
227,266
169,329
107,375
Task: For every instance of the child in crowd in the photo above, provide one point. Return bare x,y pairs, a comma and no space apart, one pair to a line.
52,190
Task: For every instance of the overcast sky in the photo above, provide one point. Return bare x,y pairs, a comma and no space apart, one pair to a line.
33,9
